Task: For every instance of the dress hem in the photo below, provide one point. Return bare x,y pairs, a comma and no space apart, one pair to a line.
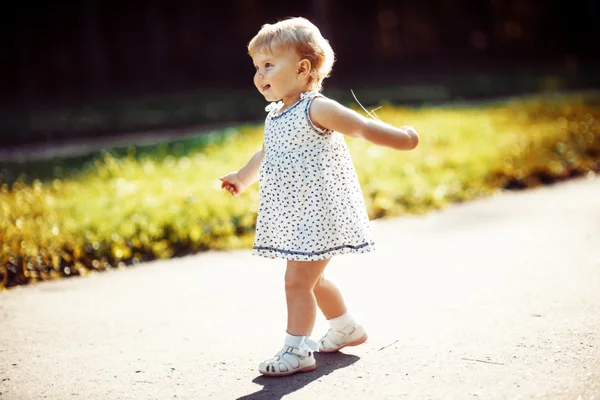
269,252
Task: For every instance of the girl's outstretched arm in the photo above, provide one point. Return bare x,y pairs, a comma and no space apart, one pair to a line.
329,114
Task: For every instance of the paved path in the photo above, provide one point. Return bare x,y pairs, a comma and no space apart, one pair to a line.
494,299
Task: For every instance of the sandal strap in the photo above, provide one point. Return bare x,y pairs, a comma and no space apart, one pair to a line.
274,364
306,345
333,338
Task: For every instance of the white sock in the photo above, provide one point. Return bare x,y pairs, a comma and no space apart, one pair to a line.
341,322
291,340
302,343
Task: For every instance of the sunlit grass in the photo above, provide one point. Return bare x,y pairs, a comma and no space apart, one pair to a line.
130,206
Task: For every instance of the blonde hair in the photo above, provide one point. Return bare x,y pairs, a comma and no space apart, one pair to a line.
304,37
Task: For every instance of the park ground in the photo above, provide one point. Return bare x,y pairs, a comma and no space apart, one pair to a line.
494,299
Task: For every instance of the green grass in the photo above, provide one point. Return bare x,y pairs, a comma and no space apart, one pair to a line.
135,204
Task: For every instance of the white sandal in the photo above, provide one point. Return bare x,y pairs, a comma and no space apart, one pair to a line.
336,340
288,361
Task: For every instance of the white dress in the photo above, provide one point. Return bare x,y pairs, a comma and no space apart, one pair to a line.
311,205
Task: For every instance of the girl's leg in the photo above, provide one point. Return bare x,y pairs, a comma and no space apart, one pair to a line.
345,331
301,277
329,298
297,353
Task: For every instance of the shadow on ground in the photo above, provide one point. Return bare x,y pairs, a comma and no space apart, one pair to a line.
276,388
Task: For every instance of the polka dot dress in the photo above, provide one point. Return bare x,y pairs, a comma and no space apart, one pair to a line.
311,205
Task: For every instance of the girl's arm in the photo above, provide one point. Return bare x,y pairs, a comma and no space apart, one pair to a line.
248,174
329,114
237,182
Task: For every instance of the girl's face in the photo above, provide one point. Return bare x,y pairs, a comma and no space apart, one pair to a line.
278,75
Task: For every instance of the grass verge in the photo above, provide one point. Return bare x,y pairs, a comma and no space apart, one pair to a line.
72,217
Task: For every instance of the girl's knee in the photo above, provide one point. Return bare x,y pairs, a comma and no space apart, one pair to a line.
304,276
297,281
319,283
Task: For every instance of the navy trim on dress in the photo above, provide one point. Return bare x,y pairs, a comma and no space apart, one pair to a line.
315,253
310,123
279,114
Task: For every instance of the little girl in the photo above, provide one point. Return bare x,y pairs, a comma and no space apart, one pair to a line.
311,205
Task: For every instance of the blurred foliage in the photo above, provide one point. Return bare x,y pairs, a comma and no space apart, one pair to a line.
92,119
137,204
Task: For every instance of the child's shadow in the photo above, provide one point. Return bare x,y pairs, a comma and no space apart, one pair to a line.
277,387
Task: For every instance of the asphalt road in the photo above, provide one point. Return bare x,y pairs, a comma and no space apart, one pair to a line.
492,299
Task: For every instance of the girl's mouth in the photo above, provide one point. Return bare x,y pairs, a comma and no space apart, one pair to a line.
266,87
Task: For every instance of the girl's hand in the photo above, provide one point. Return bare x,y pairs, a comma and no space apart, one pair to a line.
412,132
408,129
232,184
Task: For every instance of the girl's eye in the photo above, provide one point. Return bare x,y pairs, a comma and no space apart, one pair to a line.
267,65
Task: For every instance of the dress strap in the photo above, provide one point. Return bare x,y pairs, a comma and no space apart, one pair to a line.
311,96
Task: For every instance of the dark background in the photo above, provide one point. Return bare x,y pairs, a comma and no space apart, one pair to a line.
71,69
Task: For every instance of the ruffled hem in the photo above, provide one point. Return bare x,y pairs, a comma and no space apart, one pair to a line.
274,106
269,252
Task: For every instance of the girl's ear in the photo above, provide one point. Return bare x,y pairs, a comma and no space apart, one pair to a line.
304,68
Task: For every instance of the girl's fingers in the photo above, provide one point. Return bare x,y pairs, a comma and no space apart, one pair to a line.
230,188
